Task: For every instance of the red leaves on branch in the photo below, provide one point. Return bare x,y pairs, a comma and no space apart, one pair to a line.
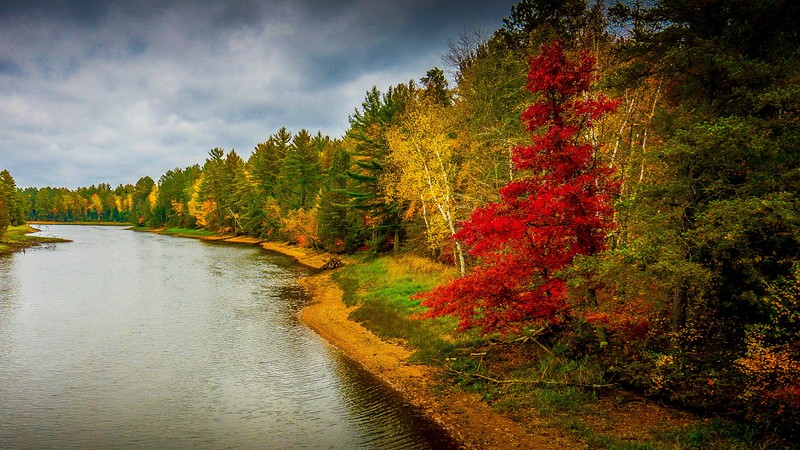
559,208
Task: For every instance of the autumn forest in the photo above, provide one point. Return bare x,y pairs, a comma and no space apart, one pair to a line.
621,183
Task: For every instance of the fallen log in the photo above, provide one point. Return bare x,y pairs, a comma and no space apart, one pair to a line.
333,263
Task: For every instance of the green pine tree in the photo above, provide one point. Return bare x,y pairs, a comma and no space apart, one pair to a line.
301,173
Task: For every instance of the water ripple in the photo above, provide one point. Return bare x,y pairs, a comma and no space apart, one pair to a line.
132,340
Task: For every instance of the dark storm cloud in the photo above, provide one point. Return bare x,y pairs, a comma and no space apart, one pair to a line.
109,91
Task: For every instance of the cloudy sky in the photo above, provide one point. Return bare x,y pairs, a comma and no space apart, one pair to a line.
110,91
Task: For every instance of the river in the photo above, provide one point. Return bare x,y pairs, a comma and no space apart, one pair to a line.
135,340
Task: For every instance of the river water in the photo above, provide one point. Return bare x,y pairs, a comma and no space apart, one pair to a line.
134,340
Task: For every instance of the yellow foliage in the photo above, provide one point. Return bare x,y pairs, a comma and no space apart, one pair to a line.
206,208
177,207
301,226
425,170
423,153
194,206
772,361
402,266
153,197
96,204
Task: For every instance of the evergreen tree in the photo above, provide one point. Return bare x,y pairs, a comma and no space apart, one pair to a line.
534,22
435,86
250,202
234,188
301,173
721,222
4,216
266,160
340,228
14,204
367,135
212,188
142,212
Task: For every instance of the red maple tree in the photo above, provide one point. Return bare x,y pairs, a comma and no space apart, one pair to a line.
560,207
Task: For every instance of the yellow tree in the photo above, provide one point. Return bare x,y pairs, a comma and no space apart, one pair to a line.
119,203
195,206
152,198
97,205
423,150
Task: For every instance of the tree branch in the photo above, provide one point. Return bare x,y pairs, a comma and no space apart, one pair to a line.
532,382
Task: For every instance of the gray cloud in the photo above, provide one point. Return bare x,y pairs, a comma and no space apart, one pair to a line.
109,91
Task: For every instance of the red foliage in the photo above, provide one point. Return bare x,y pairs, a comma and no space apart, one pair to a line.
789,395
559,208
629,322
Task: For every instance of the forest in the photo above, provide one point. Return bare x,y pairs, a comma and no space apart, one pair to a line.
621,181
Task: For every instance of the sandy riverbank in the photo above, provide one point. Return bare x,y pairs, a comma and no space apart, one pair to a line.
466,417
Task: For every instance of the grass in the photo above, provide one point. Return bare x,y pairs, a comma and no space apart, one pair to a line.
713,434
382,290
716,434
19,238
187,232
177,231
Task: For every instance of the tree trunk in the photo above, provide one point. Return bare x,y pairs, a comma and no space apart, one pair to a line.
602,338
462,264
678,308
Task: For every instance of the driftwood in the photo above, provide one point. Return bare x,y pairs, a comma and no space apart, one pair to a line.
533,382
333,263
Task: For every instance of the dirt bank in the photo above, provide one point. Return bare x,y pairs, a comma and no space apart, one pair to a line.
302,255
466,417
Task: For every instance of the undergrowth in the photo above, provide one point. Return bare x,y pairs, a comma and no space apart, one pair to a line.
518,376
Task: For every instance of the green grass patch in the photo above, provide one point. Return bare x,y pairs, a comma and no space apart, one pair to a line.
558,386
187,232
604,441
19,238
382,289
717,434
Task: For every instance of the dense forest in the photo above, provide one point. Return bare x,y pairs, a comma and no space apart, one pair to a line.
621,181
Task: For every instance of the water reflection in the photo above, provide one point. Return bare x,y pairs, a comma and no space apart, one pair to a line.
125,339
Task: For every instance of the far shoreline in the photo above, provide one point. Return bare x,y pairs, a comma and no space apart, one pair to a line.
53,222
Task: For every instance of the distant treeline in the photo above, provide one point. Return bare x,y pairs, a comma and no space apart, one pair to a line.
86,204
693,295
